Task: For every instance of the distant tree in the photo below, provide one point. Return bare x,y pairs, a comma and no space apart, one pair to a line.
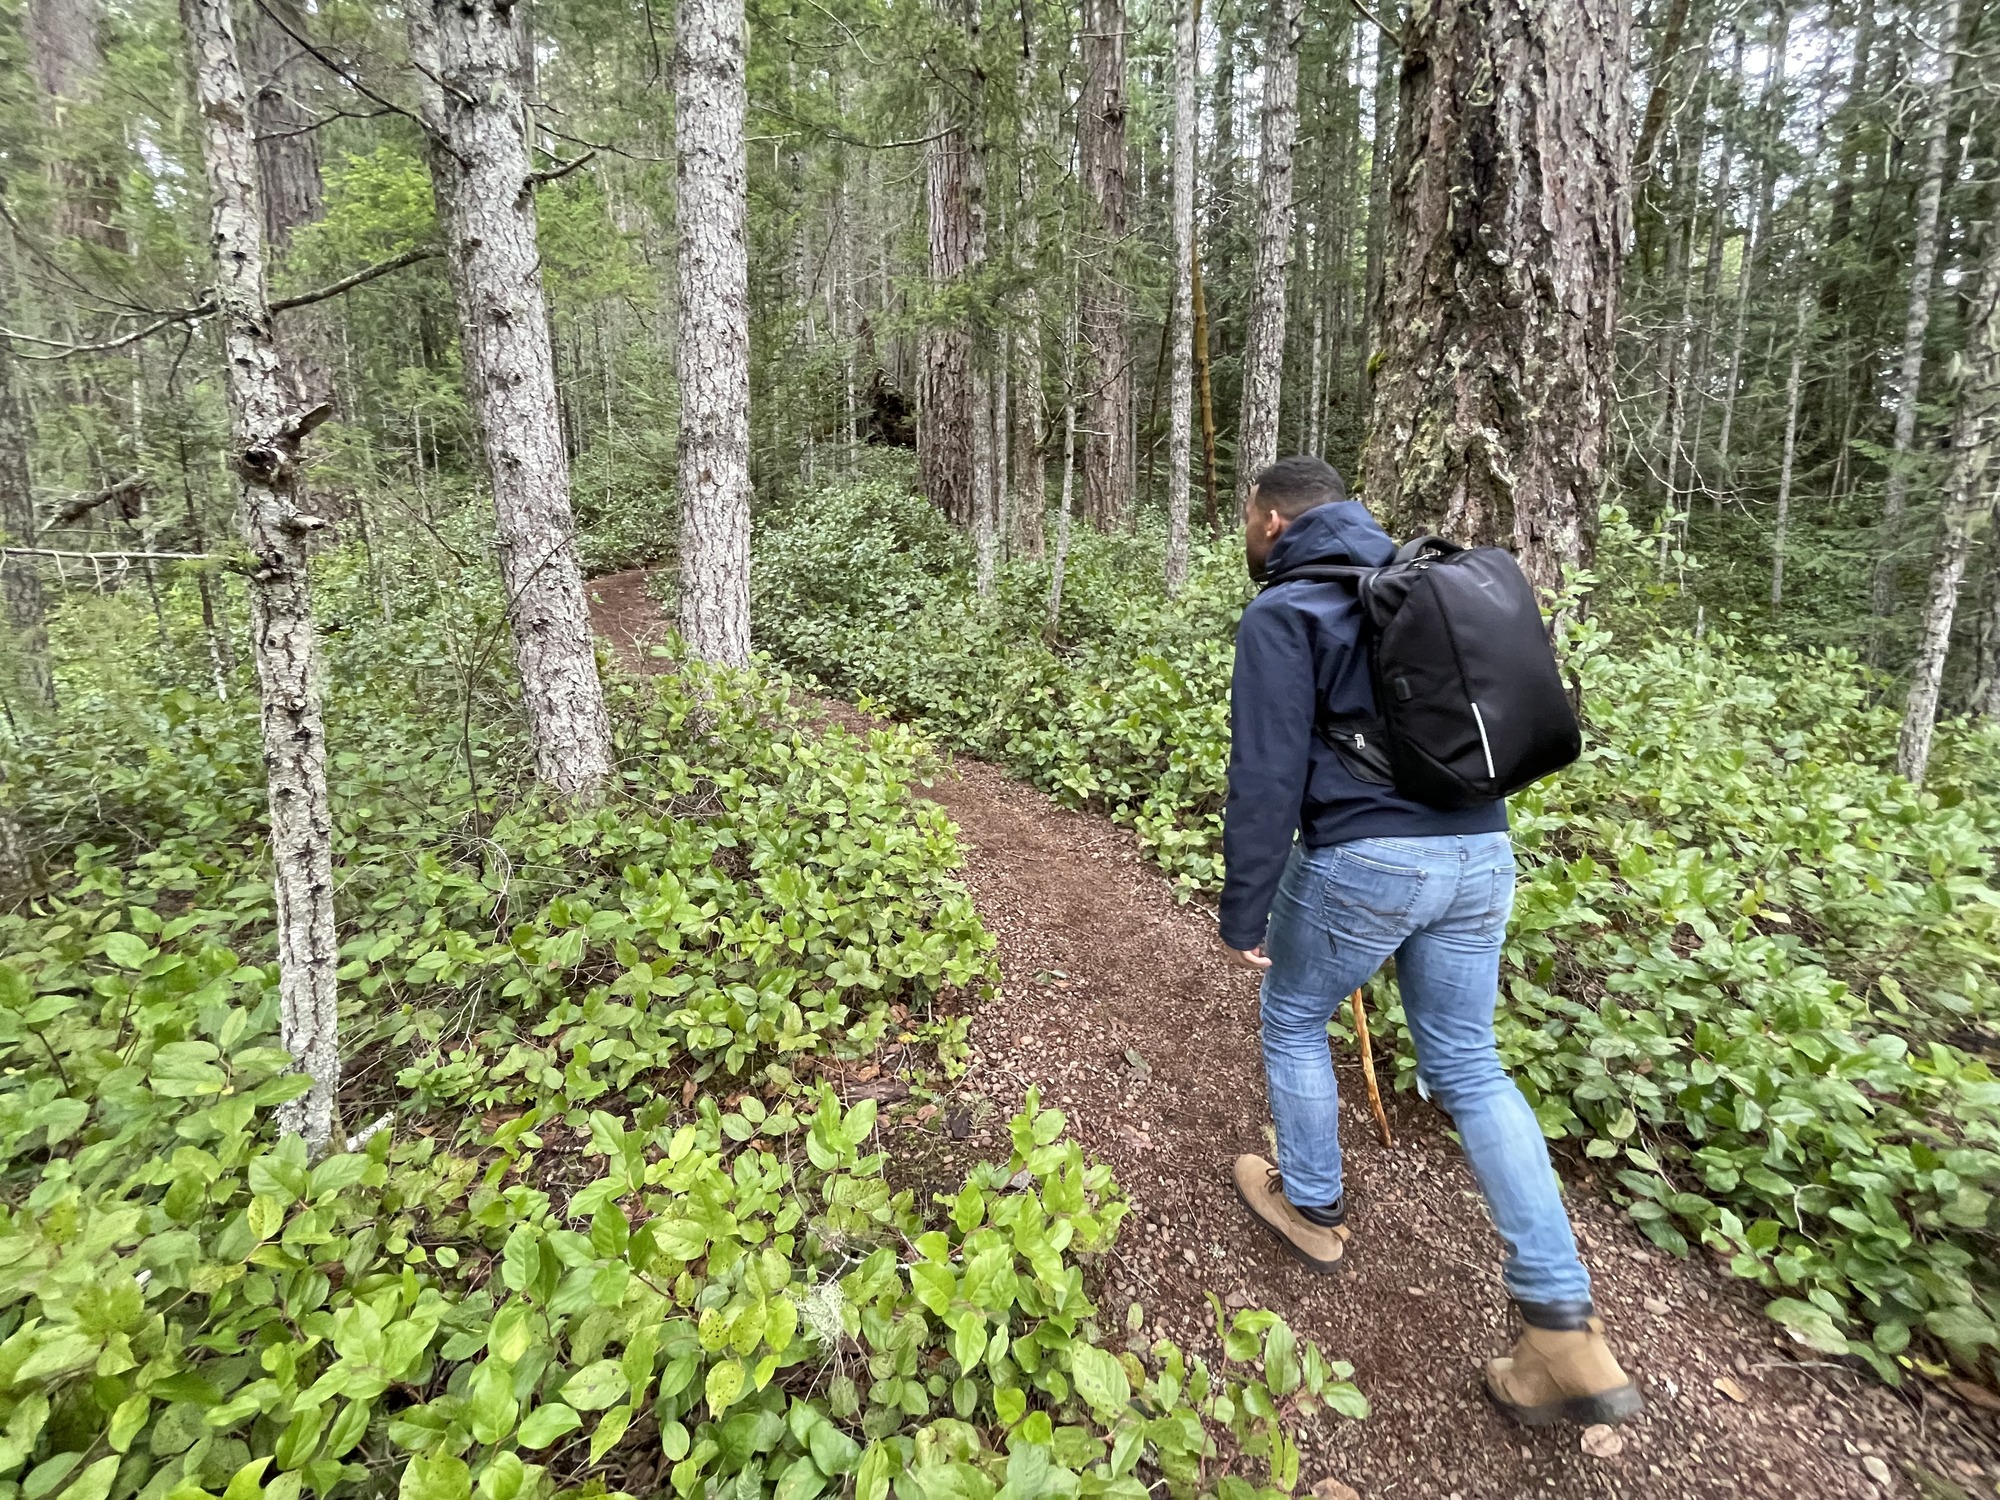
1107,373
1264,350
1181,421
954,170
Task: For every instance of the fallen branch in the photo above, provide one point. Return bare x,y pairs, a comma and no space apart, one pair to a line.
117,556
361,1138
132,487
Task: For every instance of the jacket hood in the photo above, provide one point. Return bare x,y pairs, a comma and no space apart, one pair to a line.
1341,531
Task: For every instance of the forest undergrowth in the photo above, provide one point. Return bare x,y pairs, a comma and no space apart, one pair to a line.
1750,978
603,1225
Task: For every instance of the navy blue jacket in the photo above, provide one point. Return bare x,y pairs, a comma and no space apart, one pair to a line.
1298,647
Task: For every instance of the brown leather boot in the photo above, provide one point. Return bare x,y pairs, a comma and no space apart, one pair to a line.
1263,1193
1562,1371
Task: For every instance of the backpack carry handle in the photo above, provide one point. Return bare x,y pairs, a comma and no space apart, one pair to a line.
1426,546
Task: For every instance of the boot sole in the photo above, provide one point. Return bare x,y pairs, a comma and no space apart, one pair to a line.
1607,1408
1324,1267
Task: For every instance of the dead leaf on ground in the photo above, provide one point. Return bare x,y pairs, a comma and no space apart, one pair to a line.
1602,1441
1732,1390
1333,1489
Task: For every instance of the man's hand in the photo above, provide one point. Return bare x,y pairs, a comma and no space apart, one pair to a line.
1251,958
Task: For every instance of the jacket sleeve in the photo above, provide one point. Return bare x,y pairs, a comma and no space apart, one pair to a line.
1271,711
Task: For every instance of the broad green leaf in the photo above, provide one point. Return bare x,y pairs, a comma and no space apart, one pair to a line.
1100,1380
547,1423
436,1476
724,1384
596,1386
127,950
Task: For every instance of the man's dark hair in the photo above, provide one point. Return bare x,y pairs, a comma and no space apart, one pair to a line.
1292,486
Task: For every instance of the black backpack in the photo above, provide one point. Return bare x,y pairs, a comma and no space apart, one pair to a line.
1469,700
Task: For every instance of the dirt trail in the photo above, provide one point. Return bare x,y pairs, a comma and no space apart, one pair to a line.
1120,1004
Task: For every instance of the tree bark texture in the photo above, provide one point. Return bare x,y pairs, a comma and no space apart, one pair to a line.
712,349
469,52
1493,392
1387,66
267,424
21,577
1066,503
1264,341
945,436
65,45
1917,313
1973,433
1108,389
1985,694
280,76
1030,479
1788,458
1180,407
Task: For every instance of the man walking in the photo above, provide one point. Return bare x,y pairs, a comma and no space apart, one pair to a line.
1372,874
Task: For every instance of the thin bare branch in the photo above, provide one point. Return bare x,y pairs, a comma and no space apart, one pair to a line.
206,308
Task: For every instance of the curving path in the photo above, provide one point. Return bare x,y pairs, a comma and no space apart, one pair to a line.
1119,1003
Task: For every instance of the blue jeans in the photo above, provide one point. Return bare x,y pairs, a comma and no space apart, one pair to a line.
1440,905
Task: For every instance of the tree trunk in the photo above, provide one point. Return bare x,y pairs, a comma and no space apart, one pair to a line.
1264,344
1840,207
1972,447
712,344
1985,695
267,425
1789,454
21,577
1064,505
1765,174
1655,116
281,76
1499,308
470,55
985,511
946,425
1711,282
1917,314
1207,383
1029,463
1107,441
1180,414
1380,150
65,46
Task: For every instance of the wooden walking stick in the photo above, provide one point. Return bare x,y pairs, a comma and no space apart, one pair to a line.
1368,1071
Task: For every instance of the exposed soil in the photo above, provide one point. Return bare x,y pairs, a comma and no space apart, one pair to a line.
1121,1005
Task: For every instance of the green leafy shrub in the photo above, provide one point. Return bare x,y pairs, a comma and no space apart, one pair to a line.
613,1244
1750,967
